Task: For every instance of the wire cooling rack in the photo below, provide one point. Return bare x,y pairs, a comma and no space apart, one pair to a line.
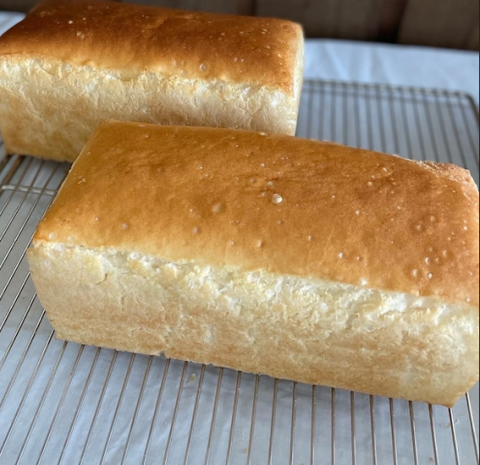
65,403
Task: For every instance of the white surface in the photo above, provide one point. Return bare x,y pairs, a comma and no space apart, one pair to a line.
377,63
7,20
393,64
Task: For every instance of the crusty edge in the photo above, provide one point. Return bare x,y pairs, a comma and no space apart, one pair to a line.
381,343
34,123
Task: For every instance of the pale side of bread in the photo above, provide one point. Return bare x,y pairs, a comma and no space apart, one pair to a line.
309,330
268,254
71,64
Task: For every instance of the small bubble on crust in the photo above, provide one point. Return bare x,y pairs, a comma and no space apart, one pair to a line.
277,199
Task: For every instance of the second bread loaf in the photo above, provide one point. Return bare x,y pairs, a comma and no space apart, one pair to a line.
71,64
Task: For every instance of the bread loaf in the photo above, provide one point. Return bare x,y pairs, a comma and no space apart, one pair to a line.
73,63
269,254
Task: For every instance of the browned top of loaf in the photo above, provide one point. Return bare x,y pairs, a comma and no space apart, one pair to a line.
134,39
272,202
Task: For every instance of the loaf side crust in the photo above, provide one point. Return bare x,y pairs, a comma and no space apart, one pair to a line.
309,330
50,109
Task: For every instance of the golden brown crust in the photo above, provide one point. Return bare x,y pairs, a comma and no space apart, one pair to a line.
134,39
276,203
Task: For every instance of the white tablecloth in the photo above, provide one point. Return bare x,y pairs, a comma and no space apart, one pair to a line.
393,64
377,63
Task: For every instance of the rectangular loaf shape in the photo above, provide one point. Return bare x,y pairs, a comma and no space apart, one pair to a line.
73,63
268,254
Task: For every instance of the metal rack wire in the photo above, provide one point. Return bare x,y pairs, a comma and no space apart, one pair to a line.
65,403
